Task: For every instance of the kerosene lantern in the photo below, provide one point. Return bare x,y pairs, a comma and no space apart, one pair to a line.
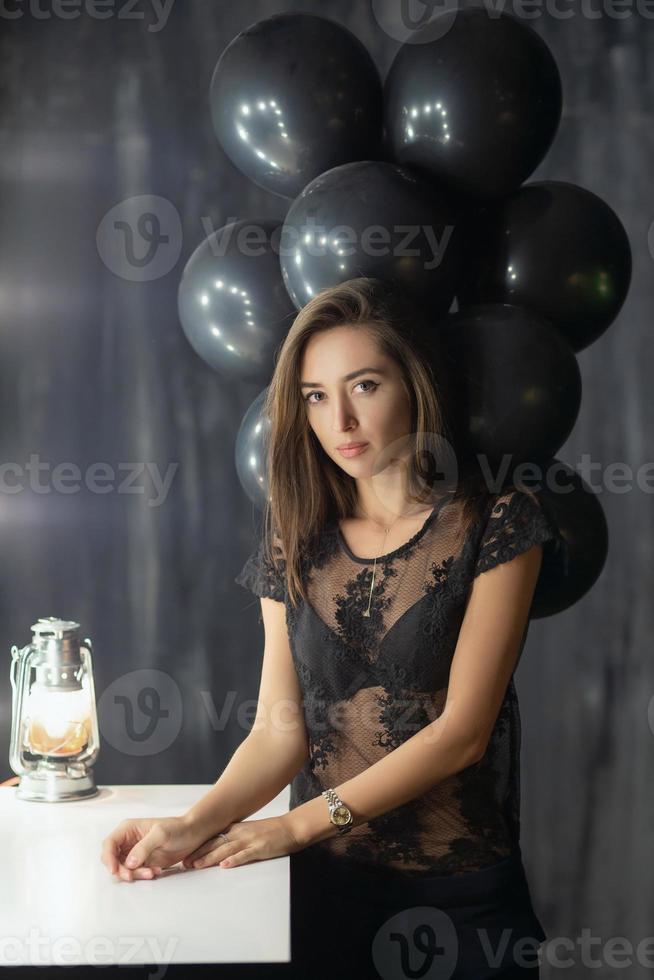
54,725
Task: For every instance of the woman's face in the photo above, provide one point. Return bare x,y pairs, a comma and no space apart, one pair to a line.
348,402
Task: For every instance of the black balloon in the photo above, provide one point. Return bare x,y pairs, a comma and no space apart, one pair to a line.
293,96
515,382
568,573
555,247
250,451
477,106
372,218
232,302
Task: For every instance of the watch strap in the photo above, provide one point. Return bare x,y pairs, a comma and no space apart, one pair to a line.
334,801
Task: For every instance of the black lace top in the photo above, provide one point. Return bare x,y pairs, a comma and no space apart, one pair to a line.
369,684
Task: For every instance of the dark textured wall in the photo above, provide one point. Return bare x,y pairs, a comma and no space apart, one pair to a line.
95,368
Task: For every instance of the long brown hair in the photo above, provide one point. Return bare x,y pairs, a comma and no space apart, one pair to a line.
306,489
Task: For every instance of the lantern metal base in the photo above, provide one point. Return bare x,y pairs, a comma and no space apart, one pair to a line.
53,785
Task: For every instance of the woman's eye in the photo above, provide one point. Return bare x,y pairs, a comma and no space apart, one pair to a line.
373,384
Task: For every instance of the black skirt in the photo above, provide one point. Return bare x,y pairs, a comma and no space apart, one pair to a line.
350,922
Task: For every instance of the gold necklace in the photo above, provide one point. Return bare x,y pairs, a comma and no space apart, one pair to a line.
366,614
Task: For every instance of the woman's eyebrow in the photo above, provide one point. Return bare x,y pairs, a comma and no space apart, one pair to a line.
347,377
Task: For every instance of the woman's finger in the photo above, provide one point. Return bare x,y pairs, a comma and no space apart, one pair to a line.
127,874
193,856
207,859
243,856
213,845
209,847
109,856
201,851
219,853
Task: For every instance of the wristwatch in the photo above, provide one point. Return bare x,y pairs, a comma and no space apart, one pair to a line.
339,814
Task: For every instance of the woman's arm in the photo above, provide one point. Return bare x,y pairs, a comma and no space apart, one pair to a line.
275,749
486,654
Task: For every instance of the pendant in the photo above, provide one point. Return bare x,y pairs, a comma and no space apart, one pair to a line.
366,614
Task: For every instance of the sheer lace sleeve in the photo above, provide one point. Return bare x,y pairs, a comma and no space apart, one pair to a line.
260,576
517,521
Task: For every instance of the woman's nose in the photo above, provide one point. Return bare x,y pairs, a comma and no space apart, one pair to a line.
343,418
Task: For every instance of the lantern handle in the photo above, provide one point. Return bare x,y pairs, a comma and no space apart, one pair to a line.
19,665
90,755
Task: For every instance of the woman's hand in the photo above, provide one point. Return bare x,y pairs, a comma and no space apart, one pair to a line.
154,843
249,840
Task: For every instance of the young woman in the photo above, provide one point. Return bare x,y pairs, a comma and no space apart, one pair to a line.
395,613
395,610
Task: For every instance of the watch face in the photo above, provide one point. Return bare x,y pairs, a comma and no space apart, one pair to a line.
341,815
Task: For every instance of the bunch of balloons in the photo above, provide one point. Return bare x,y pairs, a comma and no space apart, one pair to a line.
419,181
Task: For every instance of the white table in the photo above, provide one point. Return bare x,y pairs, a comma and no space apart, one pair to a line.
60,906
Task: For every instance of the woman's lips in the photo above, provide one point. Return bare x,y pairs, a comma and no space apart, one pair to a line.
354,451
